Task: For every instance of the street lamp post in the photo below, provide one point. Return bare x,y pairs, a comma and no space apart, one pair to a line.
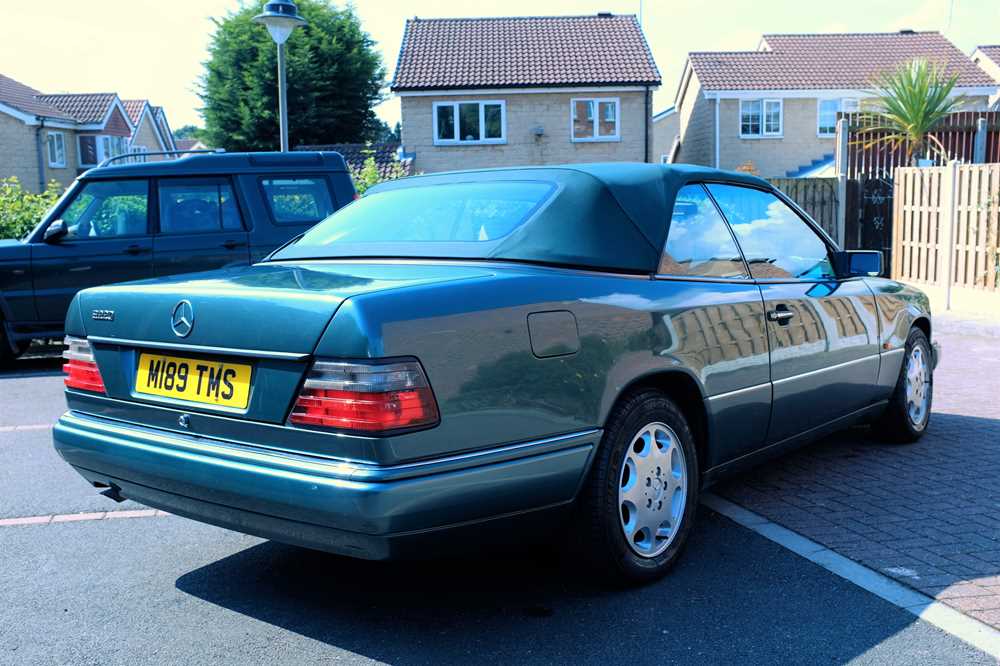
280,17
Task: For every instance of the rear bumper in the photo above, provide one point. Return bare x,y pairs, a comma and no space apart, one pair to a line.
356,509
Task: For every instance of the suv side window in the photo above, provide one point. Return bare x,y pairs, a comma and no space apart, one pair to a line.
108,209
698,242
197,205
776,242
298,200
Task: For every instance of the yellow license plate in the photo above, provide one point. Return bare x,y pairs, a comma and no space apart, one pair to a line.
218,383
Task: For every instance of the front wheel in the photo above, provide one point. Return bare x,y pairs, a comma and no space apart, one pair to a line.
909,411
640,500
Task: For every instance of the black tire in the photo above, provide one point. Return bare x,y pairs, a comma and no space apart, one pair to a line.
599,528
897,423
8,353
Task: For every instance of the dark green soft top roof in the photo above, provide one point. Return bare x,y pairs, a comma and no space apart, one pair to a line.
610,216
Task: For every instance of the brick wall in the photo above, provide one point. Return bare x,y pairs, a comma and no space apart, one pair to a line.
525,111
664,132
18,156
773,157
146,136
697,125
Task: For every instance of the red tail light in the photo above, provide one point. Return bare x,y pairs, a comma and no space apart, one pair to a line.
366,397
80,369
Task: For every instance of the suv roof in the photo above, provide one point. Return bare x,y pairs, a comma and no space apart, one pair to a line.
223,163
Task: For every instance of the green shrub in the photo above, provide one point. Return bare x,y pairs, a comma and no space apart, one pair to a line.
21,209
368,175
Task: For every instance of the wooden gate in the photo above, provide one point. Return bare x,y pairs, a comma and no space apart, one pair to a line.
816,196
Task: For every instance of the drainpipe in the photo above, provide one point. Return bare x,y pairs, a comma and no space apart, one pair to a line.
40,153
717,133
649,120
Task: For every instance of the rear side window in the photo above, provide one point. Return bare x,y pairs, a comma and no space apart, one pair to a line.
108,209
698,241
197,206
298,200
776,242
453,213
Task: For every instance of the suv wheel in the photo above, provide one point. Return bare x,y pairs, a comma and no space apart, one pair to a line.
9,351
905,419
639,503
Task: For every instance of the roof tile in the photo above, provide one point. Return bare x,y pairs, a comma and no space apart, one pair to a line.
27,99
846,61
82,107
133,107
464,53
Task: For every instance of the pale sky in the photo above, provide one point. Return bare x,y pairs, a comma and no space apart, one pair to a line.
154,48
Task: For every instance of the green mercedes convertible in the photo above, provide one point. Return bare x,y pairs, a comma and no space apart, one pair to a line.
461,359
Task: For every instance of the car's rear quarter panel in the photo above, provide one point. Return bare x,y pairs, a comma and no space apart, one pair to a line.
473,340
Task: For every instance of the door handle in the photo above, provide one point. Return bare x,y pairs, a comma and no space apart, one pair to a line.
231,244
133,249
780,314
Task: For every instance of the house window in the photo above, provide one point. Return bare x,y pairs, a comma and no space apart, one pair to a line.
95,148
461,123
826,122
57,150
760,117
595,119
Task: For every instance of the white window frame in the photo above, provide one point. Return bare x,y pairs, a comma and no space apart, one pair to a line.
841,102
482,122
57,139
105,144
595,122
763,134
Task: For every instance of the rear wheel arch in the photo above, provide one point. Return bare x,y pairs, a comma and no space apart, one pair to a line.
685,392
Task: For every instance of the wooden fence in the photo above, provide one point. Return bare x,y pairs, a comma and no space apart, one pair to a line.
946,225
957,132
816,196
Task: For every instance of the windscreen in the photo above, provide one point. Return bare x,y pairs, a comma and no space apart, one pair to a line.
448,220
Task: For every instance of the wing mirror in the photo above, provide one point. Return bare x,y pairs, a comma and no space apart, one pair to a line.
858,263
54,232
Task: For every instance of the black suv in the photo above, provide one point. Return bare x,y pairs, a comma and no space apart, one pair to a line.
134,221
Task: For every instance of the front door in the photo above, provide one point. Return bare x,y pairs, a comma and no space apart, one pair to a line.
199,227
822,331
711,320
107,241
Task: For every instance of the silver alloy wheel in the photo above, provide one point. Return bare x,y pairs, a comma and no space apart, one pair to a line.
917,386
652,490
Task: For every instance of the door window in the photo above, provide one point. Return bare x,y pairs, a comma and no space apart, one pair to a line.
698,241
108,209
197,206
776,242
298,200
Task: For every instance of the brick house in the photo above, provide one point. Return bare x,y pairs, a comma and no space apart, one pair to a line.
483,92
57,137
988,59
775,108
149,134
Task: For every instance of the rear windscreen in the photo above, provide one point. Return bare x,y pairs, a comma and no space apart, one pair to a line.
454,219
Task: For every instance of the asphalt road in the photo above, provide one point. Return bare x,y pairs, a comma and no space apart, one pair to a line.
169,590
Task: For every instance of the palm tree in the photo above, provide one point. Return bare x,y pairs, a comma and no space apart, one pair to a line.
910,103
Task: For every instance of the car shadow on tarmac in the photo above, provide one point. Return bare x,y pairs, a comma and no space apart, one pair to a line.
733,597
